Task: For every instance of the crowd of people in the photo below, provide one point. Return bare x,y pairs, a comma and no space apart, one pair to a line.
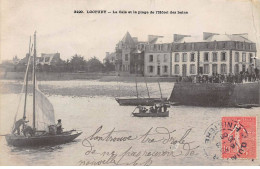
157,108
242,77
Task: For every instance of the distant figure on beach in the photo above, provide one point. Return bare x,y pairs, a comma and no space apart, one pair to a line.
18,124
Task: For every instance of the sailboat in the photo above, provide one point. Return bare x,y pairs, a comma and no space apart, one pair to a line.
140,100
43,123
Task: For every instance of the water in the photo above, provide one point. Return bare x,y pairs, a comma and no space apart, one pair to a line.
95,106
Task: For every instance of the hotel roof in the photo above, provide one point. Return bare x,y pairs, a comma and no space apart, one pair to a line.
216,37
226,37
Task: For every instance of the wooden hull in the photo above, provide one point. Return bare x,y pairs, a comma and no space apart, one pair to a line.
165,114
44,140
139,101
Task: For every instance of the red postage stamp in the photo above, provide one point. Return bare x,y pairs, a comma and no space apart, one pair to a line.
239,137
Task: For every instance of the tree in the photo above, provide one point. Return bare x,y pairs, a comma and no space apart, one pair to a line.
77,63
94,65
109,66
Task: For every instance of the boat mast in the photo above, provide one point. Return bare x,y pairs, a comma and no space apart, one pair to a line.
26,80
160,88
147,87
34,79
136,83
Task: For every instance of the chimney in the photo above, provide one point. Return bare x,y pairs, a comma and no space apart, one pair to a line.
153,37
206,35
177,37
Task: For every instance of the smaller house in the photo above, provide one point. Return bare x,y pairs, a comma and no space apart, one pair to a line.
49,59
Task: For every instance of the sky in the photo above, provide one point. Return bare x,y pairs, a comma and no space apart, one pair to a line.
61,30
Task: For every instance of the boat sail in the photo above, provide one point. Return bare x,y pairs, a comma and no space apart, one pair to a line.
45,113
43,116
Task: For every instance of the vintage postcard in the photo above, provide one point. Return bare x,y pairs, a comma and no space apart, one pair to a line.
129,83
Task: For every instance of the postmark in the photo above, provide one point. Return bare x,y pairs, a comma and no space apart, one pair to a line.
238,138
212,141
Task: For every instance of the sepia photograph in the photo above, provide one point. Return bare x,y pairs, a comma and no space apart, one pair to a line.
129,82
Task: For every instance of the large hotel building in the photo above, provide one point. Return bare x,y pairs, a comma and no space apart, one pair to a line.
215,54
185,55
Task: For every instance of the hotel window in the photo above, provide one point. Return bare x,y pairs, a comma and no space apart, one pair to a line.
177,57
214,57
206,68
184,46
165,69
215,45
223,68
243,57
192,69
224,45
223,56
243,45
237,45
126,57
237,57
150,69
150,58
250,57
192,46
165,57
206,57
177,69
158,58
184,57
250,46
165,47
192,57
177,47
243,68
236,69
214,69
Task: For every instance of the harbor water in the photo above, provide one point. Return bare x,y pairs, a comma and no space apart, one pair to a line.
89,105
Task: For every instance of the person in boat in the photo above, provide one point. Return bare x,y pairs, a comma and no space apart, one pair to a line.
164,107
152,110
28,131
156,108
160,108
18,124
140,108
59,127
